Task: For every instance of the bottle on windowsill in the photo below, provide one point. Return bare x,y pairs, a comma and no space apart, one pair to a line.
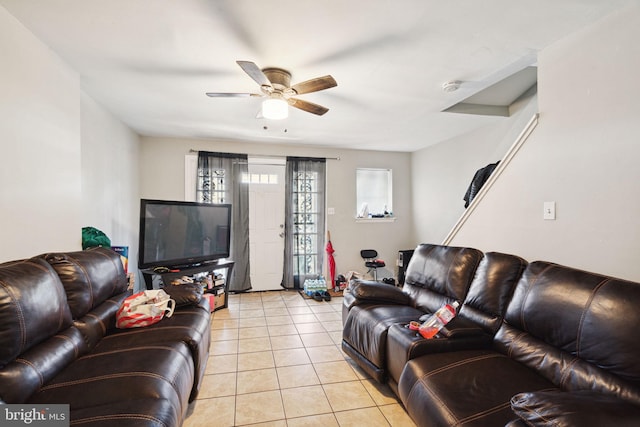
433,324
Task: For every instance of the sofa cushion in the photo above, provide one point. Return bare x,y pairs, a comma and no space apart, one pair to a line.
491,289
470,388
101,320
89,277
38,365
564,409
189,324
144,412
437,275
573,327
117,375
33,307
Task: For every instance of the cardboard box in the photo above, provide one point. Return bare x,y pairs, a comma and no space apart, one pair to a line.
219,301
215,301
131,280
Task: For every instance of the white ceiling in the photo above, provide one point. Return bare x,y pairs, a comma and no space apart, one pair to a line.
150,62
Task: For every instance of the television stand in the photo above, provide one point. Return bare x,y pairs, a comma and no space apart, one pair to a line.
205,267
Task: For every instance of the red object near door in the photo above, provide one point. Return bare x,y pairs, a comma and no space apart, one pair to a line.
331,260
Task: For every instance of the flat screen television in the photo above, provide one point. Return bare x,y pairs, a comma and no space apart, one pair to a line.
181,234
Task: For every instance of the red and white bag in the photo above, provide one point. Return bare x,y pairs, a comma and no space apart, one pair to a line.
144,309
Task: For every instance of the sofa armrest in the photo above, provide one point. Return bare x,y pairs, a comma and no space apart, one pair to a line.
404,344
559,408
462,327
370,291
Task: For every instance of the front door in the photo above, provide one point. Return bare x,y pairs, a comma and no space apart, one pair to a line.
266,222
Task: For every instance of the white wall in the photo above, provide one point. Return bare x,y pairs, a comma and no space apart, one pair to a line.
442,173
583,155
40,134
162,177
110,200
67,163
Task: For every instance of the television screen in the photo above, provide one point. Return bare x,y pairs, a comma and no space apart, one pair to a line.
179,234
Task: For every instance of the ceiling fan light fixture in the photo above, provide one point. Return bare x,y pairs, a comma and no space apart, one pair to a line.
275,85
275,109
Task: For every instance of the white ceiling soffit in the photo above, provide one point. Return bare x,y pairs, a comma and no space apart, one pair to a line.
497,99
150,62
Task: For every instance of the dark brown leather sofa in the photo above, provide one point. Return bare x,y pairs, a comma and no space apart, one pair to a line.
59,344
535,344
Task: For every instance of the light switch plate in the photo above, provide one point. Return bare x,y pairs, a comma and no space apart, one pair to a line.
549,210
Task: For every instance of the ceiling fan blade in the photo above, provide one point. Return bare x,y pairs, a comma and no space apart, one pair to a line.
231,95
307,106
254,72
314,85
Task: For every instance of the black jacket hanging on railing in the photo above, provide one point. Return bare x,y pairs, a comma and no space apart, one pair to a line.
479,178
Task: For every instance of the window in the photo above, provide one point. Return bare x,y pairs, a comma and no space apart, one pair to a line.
374,193
305,223
211,187
259,178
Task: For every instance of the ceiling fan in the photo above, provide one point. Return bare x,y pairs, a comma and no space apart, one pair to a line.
275,85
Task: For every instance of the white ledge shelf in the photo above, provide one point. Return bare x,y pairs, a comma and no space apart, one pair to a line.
389,219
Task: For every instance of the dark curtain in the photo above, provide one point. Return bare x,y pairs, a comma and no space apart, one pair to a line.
220,181
304,220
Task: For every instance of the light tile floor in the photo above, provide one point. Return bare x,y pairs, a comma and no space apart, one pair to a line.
276,361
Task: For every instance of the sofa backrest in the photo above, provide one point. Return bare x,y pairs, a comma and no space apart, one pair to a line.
491,289
578,329
37,338
438,274
89,277
95,284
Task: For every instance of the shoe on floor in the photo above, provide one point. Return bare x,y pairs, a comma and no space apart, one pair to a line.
326,295
317,296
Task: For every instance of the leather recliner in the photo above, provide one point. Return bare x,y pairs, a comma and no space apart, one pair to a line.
477,322
436,275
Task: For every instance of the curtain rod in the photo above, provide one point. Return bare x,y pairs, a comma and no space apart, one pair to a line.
267,155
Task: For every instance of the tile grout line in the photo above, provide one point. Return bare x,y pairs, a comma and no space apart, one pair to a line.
287,307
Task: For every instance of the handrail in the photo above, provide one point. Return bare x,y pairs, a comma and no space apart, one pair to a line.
513,150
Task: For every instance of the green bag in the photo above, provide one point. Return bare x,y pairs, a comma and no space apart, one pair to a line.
92,237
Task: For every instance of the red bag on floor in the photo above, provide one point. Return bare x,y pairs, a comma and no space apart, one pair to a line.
144,309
